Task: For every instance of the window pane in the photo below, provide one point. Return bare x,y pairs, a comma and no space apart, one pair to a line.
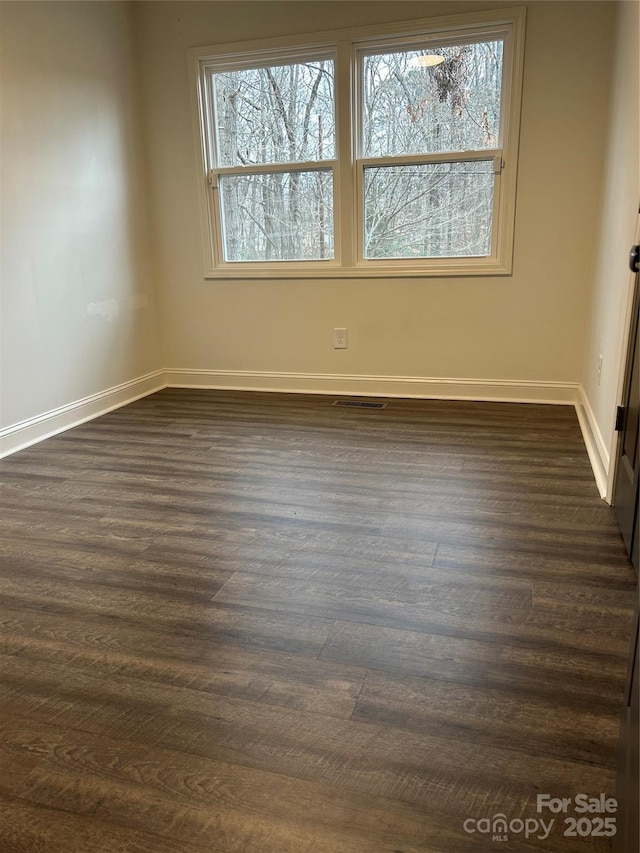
430,211
283,216
282,114
409,108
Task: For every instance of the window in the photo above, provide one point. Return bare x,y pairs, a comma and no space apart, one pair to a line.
362,153
274,155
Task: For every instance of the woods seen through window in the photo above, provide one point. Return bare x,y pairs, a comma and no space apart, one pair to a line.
367,154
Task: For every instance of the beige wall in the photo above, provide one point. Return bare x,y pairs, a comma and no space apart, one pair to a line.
619,208
78,314
77,282
529,326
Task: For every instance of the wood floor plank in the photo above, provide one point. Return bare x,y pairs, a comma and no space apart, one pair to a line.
487,615
580,541
220,803
137,576
41,526
490,714
362,569
272,677
338,602
529,669
231,624
26,827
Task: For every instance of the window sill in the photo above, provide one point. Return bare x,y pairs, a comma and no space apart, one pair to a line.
491,268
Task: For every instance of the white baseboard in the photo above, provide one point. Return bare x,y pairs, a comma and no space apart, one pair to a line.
497,390
30,431
596,447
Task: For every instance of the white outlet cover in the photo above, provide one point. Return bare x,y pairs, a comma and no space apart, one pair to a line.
340,339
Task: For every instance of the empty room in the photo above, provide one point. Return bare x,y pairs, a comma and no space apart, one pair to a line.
319,426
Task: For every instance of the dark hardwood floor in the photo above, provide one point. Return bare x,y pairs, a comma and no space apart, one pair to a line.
258,623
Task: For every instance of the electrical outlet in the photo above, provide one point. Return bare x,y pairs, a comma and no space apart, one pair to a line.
339,338
599,374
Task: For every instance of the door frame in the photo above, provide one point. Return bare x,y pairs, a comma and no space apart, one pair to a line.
615,443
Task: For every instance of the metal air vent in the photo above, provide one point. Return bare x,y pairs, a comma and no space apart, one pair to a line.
360,404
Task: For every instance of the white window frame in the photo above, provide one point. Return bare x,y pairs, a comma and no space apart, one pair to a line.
347,47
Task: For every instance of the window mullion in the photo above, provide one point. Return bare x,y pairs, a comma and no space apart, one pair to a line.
345,175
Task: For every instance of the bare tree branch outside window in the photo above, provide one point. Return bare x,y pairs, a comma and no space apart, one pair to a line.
436,209
277,115
282,118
